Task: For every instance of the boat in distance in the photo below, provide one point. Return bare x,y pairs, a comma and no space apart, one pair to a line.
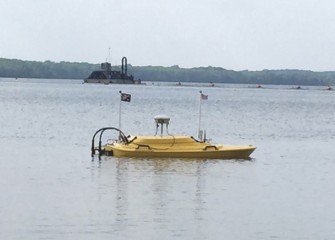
167,146
108,76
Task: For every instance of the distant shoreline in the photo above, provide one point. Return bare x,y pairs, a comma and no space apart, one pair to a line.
176,84
13,68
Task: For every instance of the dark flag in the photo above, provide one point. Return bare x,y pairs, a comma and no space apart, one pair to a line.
204,97
125,97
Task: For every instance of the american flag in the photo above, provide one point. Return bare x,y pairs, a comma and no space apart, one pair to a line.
204,97
125,97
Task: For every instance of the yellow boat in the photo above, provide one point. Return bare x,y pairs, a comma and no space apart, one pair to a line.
167,146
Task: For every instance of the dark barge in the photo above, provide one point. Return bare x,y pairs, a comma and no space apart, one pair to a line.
108,76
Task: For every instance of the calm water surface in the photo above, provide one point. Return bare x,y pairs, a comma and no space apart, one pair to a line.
51,188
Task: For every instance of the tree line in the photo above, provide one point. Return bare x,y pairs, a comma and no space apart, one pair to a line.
13,68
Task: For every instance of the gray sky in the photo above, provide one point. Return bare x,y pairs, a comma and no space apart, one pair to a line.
233,34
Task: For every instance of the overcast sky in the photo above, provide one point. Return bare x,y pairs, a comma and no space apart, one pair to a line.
233,34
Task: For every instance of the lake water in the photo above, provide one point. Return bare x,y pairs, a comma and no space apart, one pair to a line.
51,188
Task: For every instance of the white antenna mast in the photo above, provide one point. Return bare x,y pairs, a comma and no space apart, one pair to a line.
201,133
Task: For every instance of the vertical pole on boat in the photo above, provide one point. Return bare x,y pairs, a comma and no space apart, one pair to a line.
201,134
120,110
199,128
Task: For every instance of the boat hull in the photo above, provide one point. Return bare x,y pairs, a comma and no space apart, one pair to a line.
111,81
176,147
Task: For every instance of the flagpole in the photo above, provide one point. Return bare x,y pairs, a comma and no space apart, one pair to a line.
120,111
199,131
